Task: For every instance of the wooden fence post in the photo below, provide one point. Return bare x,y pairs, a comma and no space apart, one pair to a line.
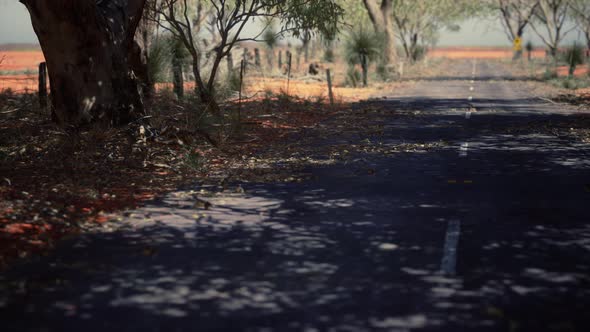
43,85
365,67
330,92
289,72
257,57
230,63
245,58
242,71
178,80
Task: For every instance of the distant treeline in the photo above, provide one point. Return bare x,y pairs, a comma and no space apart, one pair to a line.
19,47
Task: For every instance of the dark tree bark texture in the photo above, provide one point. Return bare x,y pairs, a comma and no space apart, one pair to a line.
88,46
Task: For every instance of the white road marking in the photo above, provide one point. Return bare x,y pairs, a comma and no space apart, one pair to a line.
471,89
464,150
449,261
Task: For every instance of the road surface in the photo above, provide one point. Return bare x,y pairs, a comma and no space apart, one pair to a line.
489,233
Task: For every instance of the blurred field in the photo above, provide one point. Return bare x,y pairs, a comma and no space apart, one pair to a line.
21,60
479,53
18,72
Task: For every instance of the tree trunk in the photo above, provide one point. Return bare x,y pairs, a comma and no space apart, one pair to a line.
230,63
257,58
140,56
86,45
365,68
178,79
414,48
270,54
382,18
206,95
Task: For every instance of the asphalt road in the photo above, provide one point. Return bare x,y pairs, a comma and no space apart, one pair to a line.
490,233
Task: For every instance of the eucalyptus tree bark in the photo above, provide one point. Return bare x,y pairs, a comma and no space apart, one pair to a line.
88,45
553,16
140,55
381,16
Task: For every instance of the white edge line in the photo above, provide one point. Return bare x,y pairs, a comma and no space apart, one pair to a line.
448,265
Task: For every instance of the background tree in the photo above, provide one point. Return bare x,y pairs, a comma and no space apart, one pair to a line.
550,24
362,48
271,40
230,18
581,14
417,21
87,45
573,56
305,38
529,49
515,15
381,16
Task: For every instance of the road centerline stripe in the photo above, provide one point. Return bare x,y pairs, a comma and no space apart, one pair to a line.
448,264
464,149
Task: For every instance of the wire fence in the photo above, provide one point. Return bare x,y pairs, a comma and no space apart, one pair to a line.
19,84
258,79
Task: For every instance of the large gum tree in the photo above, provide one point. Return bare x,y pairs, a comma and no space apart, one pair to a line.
381,15
88,46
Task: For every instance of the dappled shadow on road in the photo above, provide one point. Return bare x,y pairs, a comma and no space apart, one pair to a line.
348,250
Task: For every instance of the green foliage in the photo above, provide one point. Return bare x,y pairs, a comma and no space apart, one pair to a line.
353,77
550,74
159,60
299,16
571,83
194,160
356,13
270,37
419,52
383,72
574,55
228,87
283,98
329,55
419,22
361,43
362,48
161,53
208,47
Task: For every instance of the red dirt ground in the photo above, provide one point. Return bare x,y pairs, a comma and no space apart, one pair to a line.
29,60
21,60
479,53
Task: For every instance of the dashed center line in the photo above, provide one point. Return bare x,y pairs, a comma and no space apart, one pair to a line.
448,265
464,149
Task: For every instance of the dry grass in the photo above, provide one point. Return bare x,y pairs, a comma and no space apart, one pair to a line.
53,182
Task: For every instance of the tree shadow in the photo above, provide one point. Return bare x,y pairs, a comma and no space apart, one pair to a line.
348,250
